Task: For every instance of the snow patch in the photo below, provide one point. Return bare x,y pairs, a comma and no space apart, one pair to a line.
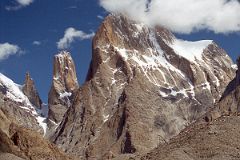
123,52
163,94
64,95
235,67
105,118
139,26
207,86
173,92
192,51
62,54
42,122
56,78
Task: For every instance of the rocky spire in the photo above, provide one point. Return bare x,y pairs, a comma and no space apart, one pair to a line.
64,83
64,72
31,92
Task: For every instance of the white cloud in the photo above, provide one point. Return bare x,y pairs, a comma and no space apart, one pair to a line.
71,34
37,43
24,2
100,17
182,16
19,4
7,49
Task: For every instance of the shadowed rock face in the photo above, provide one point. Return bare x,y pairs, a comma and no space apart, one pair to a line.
141,90
64,85
30,91
238,72
229,103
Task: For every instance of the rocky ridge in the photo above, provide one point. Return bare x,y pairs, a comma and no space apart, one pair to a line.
17,106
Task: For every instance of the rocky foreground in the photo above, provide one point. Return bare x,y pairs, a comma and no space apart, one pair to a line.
19,143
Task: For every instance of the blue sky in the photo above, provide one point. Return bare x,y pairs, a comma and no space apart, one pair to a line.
45,21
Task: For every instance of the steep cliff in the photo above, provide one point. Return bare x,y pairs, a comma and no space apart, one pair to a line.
143,87
230,101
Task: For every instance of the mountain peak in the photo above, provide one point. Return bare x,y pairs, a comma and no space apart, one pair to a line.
143,87
30,91
63,53
64,83
64,72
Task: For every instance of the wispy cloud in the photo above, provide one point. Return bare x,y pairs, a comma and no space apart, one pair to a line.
37,43
72,7
7,49
18,4
71,34
100,17
182,16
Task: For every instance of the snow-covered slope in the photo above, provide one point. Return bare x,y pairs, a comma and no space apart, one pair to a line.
13,92
159,62
192,51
